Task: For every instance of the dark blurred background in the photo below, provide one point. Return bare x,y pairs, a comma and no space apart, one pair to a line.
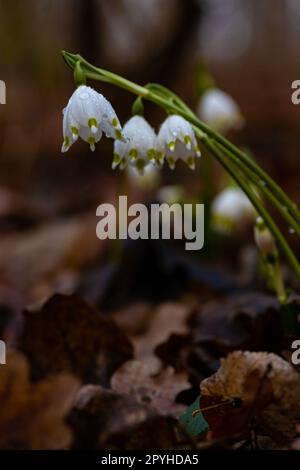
249,46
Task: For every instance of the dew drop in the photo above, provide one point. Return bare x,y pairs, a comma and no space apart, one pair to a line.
291,230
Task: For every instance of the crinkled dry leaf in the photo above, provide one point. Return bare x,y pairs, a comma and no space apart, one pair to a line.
169,318
104,419
219,327
241,322
149,383
68,334
32,415
264,386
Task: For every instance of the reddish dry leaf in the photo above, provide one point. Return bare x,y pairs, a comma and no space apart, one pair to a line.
68,334
264,386
149,383
32,415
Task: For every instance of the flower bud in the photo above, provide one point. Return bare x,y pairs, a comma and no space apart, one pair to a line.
263,238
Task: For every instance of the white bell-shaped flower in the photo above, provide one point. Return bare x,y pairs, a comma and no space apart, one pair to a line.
177,141
219,110
88,114
139,147
231,210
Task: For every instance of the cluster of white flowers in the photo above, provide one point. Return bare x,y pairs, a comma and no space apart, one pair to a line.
88,114
219,110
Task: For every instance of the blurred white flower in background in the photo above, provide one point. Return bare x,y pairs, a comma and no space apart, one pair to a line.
177,141
139,147
150,178
219,110
87,115
231,210
263,238
171,194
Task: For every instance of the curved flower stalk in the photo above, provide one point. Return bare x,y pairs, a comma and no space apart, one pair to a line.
87,115
239,165
177,140
139,147
219,110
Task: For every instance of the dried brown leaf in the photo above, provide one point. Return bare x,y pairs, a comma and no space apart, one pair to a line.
169,318
105,419
32,415
68,334
149,383
269,390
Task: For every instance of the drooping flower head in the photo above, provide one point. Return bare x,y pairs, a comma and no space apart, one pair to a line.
231,210
219,110
87,115
139,147
177,141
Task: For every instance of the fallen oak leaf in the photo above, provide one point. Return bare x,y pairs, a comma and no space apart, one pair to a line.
103,418
267,388
32,415
68,334
149,383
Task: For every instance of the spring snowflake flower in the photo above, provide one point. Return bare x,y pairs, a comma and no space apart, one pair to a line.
177,141
263,238
231,210
87,115
219,110
139,147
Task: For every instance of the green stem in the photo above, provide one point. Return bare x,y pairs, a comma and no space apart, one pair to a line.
263,188
172,103
257,204
213,141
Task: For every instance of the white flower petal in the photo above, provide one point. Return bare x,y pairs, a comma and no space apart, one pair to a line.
110,123
88,136
140,144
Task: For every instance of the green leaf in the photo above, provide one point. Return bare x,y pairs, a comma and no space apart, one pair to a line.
194,425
